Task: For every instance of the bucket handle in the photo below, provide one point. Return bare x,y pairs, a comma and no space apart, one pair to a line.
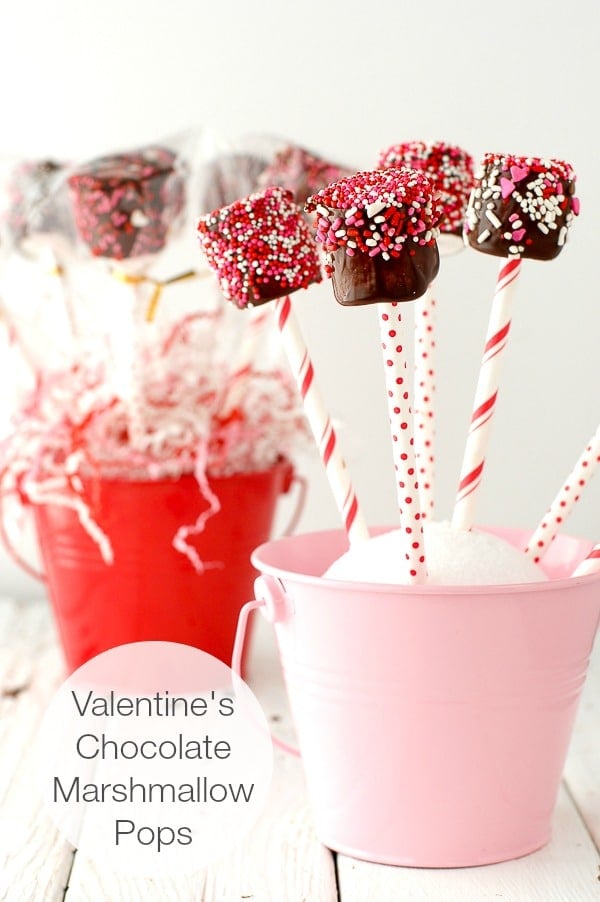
12,551
238,645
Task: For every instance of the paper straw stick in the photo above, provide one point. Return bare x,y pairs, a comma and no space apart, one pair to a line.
403,448
127,352
424,398
486,394
320,422
242,365
590,564
565,500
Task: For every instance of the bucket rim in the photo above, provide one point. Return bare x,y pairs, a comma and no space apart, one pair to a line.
283,464
550,585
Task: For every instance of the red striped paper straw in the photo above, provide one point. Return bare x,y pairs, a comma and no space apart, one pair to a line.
246,353
403,448
486,394
424,398
565,500
320,422
590,564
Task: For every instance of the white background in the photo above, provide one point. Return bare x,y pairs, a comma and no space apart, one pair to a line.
347,79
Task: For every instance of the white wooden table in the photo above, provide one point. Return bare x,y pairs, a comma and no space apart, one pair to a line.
281,861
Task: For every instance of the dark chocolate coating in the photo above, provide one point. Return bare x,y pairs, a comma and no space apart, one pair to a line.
34,206
361,279
521,206
126,204
536,245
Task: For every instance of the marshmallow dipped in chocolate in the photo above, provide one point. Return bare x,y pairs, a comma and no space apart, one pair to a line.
35,209
126,204
302,172
378,230
260,248
521,206
450,170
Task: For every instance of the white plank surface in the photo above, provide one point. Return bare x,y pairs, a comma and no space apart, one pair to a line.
566,870
281,861
582,772
34,860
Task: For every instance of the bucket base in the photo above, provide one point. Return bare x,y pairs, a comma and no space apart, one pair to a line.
409,861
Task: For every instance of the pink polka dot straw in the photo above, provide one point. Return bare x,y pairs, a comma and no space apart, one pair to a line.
379,232
403,449
424,399
565,500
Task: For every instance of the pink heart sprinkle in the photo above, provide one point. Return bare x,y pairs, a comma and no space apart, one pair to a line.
518,234
507,187
519,172
575,206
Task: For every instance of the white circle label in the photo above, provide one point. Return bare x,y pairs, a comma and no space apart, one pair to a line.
154,759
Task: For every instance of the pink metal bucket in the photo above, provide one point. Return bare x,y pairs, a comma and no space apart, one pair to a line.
433,722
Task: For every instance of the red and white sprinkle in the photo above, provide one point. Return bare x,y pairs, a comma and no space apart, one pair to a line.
448,167
260,244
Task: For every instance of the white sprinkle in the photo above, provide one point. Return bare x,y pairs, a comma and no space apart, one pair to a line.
484,236
385,255
373,209
322,210
370,242
562,236
340,233
493,219
351,243
543,228
487,193
138,219
379,219
507,235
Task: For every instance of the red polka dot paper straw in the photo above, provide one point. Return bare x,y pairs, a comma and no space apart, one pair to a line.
486,394
246,353
320,422
403,448
565,500
424,398
590,564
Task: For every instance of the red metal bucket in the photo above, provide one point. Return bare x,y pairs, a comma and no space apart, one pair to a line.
152,591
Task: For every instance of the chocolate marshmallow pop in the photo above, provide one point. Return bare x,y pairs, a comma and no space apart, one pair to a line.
126,207
379,232
262,250
450,171
38,225
302,172
520,207
223,180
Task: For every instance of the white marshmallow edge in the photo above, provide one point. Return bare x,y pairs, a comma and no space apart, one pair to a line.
455,557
